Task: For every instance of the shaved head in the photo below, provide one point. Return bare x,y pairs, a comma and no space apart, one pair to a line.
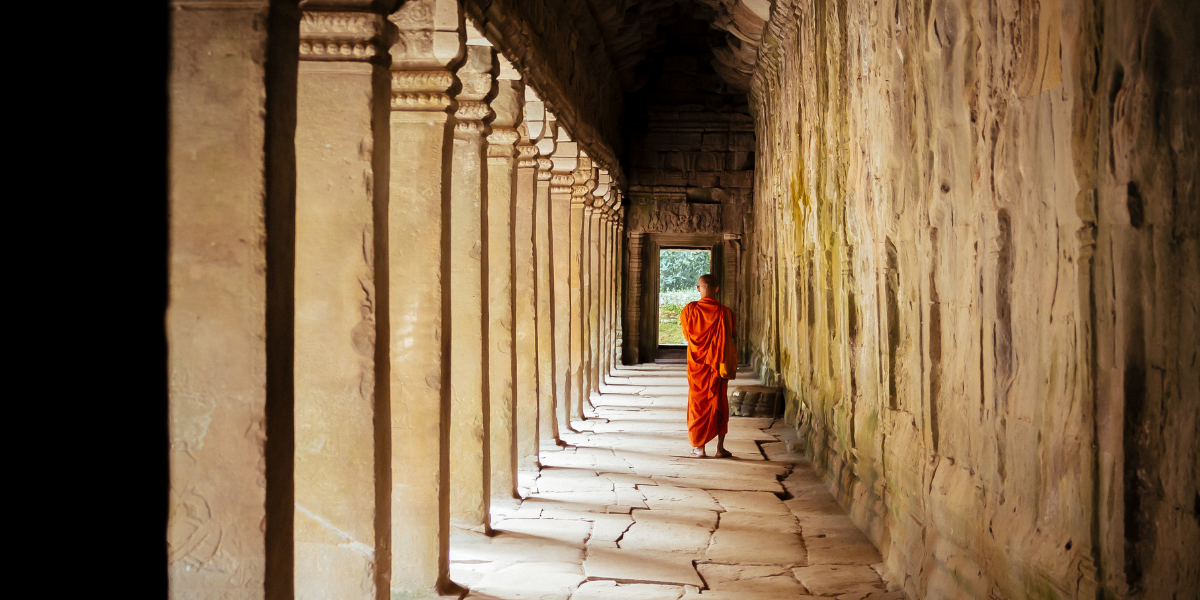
707,285
709,279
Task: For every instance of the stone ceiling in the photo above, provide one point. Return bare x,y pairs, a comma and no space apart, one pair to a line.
635,30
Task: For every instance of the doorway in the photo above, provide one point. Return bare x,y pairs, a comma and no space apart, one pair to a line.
678,270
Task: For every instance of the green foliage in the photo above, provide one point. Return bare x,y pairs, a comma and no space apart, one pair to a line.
679,269
670,332
670,304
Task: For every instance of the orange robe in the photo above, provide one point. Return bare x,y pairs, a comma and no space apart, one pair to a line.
708,407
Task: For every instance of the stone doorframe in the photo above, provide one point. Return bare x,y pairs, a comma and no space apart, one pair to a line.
643,278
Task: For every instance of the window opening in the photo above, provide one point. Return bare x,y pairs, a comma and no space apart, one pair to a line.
678,271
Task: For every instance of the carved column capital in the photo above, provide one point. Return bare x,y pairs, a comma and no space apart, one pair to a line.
502,141
341,35
561,183
428,42
527,155
422,90
544,165
478,77
473,117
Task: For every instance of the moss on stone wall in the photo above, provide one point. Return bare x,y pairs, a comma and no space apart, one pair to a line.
964,214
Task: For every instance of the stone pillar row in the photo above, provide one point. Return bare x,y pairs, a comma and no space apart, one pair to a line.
456,306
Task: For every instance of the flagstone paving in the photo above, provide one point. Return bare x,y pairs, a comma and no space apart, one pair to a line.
623,512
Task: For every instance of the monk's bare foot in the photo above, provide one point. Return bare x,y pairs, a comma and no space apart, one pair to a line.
723,453
698,453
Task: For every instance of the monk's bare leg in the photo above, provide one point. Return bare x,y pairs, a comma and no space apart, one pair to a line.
721,451
698,452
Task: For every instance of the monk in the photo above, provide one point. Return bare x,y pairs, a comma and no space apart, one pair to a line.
708,327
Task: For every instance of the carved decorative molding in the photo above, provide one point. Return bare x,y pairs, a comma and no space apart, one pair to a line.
340,36
500,142
428,36
544,164
421,90
420,102
527,153
473,110
422,81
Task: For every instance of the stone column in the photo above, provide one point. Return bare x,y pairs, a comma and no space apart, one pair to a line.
216,322
585,292
565,160
508,105
600,193
470,471
525,291
619,292
418,270
595,285
606,257
598,292
633,299
578,205
543,237
581,219
341,185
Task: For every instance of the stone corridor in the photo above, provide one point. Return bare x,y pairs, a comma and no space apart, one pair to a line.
622,513
411,332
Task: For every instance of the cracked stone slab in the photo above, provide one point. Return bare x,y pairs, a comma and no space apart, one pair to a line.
610,528
838,580
671,497
467,546
679,531
566,532
595,501
756,539
842,545
776,581
640,566
530,581
611,590
755,502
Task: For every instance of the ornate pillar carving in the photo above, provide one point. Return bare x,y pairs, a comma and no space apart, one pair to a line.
525,291
421,139
564,161
470,471
594,283
633,299
548,350
600,194
342,104
605,276
585,297
619,296
223,284
501,179
577,199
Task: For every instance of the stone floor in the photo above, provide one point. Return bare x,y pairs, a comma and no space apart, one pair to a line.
623,513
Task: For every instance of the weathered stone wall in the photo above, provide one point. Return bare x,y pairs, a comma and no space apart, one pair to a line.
973,264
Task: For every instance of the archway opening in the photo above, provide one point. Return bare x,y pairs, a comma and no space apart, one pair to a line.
678,271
